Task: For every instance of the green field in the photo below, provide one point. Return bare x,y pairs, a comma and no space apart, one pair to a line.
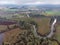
43,25
58,32
52,13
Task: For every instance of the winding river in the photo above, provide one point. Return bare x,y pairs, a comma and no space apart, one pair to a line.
35,32
51,31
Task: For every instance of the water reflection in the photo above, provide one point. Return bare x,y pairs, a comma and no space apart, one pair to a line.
1,38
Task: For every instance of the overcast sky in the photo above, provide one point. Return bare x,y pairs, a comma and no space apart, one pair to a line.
29,1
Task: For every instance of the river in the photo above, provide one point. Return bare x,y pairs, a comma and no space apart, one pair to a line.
35,32
1,38
49,35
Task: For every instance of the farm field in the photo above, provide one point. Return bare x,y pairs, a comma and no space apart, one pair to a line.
52,13
3,28
43,25
58,32
11,36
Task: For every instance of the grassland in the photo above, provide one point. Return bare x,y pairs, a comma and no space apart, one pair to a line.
43,25
3,28
51,13
58,32
11,36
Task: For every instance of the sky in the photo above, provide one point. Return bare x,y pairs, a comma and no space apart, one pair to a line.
29,2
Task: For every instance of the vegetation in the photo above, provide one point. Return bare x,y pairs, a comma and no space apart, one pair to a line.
58,32
51,13
27,37
43,25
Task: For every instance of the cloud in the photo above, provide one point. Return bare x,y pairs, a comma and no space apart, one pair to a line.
35,3
7,2
29,1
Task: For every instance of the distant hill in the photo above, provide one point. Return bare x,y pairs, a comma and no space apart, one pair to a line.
23,6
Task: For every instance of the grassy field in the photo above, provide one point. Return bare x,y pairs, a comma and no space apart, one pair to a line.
51,13
11,36
3,28
58,32
43,25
